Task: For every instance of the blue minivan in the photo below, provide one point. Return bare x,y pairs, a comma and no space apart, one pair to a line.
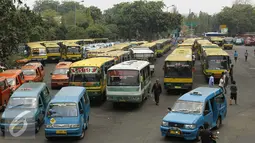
68,113
28,103
192,110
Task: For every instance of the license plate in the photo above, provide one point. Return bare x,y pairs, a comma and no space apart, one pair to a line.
61,132
177,87
175,132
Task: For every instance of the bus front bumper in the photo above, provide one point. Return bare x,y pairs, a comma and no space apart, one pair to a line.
70,132
182,133
127,99
170,85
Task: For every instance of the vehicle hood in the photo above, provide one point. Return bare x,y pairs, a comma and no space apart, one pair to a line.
59,76
29,77
181,118
62,120
14,112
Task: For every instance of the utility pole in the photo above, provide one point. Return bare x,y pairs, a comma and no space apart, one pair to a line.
190,16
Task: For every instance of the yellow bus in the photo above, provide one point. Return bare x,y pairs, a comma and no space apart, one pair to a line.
91,73
80,42
94,53
206,46
122,46
53,51
71,51
217,40
178,70
36,52
163,46
216,61
198,45
119,56
138,43
184,44
151,45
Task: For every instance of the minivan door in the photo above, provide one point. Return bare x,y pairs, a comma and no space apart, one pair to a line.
41,109
208,114
82,112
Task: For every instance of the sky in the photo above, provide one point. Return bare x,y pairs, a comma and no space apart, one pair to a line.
183,6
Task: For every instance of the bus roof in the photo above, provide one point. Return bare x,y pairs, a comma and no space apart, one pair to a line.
130,65
121,46
92,62
11,73
63,95
185,44
200,94
35,45
203,41
183,54
151,44
29,89
210,45
142,51
95,39
102,50
113,53
51,44
215,52
139,42
71,44
88,40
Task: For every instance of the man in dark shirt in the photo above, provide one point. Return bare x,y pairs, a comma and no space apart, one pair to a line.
233,93
205,134
157,90
231,73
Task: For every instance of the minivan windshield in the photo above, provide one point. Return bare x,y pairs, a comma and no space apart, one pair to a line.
66,109
22,102
188,107
11,81
29,72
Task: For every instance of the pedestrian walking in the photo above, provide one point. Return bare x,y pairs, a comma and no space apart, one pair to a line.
231,73
221,83
211,80
235,56
233,93
246,55
157,90
193,59
226,79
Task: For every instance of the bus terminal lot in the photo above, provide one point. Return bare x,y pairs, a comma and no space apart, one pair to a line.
141,125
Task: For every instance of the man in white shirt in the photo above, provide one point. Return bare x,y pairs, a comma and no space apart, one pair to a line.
221,83
211,80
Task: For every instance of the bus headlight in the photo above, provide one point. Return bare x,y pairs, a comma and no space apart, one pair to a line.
190,126
165,124
74,125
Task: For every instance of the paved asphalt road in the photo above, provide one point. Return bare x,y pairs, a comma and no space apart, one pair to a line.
141,125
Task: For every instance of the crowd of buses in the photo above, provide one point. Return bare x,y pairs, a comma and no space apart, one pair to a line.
90,72
179,65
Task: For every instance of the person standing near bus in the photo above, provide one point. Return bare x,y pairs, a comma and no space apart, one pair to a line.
157,90
235,56
246,55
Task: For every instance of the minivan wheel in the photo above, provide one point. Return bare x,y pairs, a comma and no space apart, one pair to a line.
218,122
82,134
37,128
198,138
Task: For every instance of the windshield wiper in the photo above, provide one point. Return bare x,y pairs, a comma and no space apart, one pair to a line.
16,106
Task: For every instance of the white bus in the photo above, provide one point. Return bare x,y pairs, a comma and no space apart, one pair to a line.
128,81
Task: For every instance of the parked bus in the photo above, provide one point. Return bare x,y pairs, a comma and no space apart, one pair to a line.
119,56
94,53
215,37
91,73
122,46
216,61
36,52
71,51
178,70
206,46
151,45
198,44
128,81
53,51
163,46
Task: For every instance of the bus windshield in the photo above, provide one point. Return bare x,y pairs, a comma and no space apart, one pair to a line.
123,78
73,50
217,62
85,77
178,69
53,50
